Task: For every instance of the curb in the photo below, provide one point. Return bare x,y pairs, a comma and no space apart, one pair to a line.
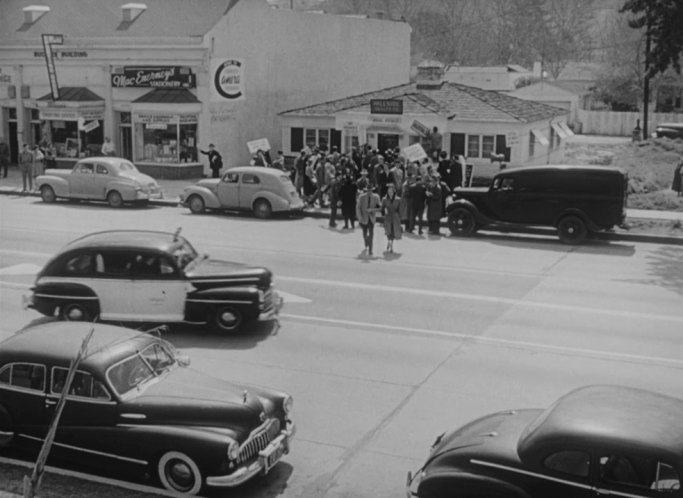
607,236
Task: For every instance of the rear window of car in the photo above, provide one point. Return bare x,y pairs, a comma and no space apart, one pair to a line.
250,179
24,375
571,462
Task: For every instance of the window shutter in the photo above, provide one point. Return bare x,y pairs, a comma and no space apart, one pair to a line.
297,140
501,147
335,139
458,144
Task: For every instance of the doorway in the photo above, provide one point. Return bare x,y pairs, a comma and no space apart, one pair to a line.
387,141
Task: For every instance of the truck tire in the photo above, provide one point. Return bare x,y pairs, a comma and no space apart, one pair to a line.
572,230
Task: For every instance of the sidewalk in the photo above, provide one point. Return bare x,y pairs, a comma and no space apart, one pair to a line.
172,189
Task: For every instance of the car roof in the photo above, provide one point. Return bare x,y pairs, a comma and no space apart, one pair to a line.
274,172
614,416
59,342
105,159
562,167
139,239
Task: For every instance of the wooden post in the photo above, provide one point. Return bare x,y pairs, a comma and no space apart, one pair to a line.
32,484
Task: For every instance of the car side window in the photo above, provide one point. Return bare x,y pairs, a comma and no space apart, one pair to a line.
626,470
231,178
24,375
151,265
83,385
572,462
102,170
86,168
82,264
666,478
113,263
249,178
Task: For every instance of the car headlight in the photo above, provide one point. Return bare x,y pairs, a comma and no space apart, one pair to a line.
288,404
233,449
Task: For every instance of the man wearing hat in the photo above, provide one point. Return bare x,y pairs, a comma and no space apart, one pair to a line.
215,160
367,207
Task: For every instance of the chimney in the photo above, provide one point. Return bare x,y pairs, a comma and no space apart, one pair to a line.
430,75
131,11
34,12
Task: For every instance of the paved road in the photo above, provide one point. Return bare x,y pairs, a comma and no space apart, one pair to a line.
383,354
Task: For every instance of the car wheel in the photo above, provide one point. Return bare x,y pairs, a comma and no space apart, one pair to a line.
227,319
75,312
47,194
572,230
262,209
461,222
178,473
196,204
114,199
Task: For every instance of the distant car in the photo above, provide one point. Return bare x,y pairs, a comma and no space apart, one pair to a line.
577,200
245,188
111,179
146,276
669,130
594,441
134,405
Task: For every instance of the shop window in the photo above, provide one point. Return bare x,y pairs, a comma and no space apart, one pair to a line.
166,142
473,142
488,143
317,137
68,141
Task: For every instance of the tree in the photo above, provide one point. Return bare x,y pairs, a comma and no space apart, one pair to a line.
662,20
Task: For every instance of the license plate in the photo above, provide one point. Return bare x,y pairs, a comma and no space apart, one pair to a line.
271,455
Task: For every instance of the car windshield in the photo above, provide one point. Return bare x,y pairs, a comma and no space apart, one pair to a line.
184,254
142,367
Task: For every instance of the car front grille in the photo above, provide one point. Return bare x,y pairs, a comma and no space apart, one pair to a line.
258,440
267,300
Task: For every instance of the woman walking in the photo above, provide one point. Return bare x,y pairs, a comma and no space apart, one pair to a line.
676,184
391,209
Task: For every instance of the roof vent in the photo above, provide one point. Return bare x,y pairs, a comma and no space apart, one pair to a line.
34,12
430,75
131,11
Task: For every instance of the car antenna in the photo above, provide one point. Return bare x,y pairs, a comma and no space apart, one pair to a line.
176,234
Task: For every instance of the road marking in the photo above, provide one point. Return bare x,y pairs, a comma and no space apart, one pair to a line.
293,298
20,269
481,298
534,346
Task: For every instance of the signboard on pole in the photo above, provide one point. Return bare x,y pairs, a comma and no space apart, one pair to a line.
48,41
419,128
415,153
88,127
511,138
257,145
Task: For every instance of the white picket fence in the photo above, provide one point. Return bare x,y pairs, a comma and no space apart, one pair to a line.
621,124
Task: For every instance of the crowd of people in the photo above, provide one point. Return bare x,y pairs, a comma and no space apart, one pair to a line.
365,183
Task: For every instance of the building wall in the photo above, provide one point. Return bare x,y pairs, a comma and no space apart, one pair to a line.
293,59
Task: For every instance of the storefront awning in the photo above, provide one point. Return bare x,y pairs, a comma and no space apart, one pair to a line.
540,137
558,129
168,96
74,94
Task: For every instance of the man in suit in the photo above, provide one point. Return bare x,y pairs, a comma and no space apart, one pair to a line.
367,207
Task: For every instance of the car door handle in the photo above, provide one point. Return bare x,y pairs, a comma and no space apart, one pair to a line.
50,402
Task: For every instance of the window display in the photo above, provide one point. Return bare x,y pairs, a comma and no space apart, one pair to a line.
162,138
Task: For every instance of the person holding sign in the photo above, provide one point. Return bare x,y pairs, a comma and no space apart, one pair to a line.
215,160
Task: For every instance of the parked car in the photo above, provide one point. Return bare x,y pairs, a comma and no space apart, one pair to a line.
577,200
146,276
111,179
245,188
669,130
594,441
134,405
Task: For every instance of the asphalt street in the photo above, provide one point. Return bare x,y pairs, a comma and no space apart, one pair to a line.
382,354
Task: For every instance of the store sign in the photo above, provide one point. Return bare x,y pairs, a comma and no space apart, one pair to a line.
154,76
386,106
228,79
419,128
63,54
385,120
163,118
511,138
88,127
52,114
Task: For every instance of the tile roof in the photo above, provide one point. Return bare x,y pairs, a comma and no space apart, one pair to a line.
163,19
74,94
451,100
167,96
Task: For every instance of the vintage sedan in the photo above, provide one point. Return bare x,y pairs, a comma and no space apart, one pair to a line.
111,179
135,406
245,188
151,277
594,441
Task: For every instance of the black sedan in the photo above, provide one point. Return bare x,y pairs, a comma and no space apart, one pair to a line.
594,441
135,406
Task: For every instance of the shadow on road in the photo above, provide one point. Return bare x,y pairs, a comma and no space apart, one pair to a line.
665,269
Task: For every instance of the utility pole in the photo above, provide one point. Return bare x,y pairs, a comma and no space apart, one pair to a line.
646,82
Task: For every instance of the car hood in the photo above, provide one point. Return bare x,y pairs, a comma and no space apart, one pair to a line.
57,172
493,436
241,274
469,192
185,396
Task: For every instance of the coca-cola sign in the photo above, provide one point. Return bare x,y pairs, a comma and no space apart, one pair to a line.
154,76
228,79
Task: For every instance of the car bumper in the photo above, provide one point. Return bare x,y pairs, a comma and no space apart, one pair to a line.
145,196
267,458
412,482
274,310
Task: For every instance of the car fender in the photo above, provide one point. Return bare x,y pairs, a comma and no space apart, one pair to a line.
59,185
48,296
464,203
277,202
201,301
577,212
210,198
124,187
6,424
469,485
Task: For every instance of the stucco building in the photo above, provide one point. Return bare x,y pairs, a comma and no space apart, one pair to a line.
164,78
